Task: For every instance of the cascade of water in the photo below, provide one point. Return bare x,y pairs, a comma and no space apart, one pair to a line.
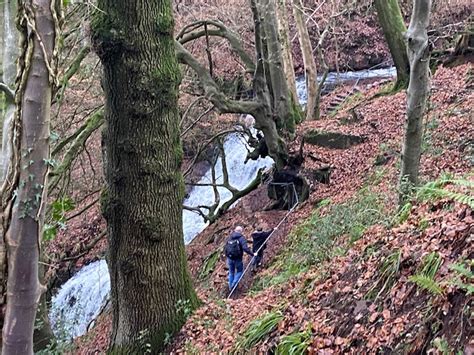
333,79
80,299
239,177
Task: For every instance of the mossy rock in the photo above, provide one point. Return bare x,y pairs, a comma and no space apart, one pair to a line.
333,140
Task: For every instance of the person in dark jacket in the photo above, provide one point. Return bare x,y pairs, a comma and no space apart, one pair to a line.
235,247
259,238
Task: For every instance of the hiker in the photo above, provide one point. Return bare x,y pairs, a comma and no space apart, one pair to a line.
234,251
259,238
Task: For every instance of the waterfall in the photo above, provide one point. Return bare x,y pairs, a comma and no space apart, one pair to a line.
240,175
81,298
333,79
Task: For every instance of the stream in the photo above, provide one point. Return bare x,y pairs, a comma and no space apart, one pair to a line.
81,298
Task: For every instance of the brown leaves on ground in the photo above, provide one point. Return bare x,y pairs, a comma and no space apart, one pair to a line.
344,302
337,308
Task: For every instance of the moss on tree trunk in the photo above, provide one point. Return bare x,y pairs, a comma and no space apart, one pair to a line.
143,154
391,20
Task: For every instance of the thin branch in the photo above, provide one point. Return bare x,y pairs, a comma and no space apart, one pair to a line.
197,120
208,50
72,70
203,146
206,184
217,196
87,248
196,210
84,209
225,171
190,107
91,125
236,196
72,137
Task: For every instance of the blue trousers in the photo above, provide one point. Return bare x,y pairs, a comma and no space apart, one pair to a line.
236,267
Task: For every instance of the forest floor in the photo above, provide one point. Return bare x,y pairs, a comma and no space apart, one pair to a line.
348,271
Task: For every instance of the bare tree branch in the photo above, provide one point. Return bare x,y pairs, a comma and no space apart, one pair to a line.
73,136
211,89
196,210
225,171
71,70
190,107
214,211
190,33
77,146
204,145
87,248
200,117
84,209
214,214
217,196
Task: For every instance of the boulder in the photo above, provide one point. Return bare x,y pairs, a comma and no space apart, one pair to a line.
333,140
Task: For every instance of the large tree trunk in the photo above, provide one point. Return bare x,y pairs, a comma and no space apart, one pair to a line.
418,89
265,117
310,69
287,56
10,54
283,109
23,237
143,199
391,20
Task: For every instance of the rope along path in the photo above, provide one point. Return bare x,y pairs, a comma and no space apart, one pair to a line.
271,234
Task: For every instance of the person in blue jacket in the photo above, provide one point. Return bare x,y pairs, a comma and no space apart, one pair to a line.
234,250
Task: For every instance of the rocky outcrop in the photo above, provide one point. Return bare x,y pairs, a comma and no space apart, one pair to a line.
333,140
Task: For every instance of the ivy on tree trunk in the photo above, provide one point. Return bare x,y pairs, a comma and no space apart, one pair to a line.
37,20
10,54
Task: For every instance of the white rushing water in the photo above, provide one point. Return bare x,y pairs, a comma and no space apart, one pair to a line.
240,175
81,298
333,79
